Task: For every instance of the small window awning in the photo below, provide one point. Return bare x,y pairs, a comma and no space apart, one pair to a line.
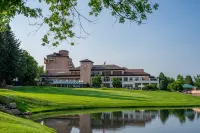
188,86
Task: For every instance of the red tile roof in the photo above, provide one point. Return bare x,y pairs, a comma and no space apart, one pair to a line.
107,67
134,70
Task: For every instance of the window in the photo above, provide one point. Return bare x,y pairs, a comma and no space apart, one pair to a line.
125,79
106,79
96,73
106,73
130,78
136,78
128,85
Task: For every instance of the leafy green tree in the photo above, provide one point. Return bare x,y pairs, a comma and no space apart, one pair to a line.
188,80
170,80
197,81
9,57
151,87
29,70
181,79
40,70
96,81
116,82
62,13
175,86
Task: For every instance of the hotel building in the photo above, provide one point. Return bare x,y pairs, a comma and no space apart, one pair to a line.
60,69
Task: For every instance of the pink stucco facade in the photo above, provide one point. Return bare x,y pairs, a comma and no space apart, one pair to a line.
58,62
85,71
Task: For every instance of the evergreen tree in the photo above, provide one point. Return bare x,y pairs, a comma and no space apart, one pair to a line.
163,81
161,76
163,84
9,53
170,80
188,80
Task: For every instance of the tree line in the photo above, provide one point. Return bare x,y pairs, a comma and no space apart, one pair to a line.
170,84
16,64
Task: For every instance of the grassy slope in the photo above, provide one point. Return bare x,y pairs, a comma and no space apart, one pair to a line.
12,124
38,99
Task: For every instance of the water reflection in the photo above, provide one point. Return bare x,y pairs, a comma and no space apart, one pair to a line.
92,123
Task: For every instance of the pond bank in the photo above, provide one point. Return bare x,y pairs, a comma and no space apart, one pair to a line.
13,124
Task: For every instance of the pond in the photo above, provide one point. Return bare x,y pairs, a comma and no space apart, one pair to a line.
128,121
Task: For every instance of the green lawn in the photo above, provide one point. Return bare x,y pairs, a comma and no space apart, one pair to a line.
38,99
12,124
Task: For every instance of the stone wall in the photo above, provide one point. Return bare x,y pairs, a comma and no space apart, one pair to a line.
8,105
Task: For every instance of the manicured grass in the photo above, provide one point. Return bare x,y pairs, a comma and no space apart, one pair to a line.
39,99
12,124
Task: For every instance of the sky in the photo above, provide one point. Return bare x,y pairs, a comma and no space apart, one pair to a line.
168,42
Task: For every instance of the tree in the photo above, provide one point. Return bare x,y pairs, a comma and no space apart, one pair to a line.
9,57
29,69
188,80
116,82
163,81
151,87
40,70
181,79
175,86
96,81
63,13
161,76
197,81
163,84
170,80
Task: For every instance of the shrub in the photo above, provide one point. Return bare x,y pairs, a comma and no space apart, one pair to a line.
151,87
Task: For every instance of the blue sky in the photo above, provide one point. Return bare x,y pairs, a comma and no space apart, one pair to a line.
168,42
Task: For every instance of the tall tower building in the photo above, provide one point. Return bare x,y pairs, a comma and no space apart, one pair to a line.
86,70
58,62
